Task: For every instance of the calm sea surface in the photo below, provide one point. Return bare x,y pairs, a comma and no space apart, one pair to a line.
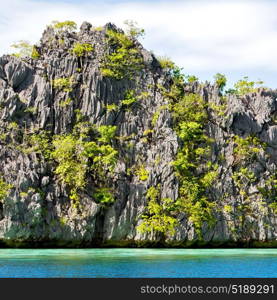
138,263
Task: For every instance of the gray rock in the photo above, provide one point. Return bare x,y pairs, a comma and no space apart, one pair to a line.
38,208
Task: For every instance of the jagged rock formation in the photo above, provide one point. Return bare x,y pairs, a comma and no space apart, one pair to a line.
38,210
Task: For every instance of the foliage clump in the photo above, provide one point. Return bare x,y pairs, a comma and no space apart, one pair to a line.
4,189
159,215
64,26
98,28
247,148
123,59
13,126
85,154
166,62
142,173
35,54
191,78
39,143
78,155
269,192
157,113
129,98
81,49
244,86
273,206
65,84
104,196
25,49
155,117
111,107
242,176
107,133
72,163
220,81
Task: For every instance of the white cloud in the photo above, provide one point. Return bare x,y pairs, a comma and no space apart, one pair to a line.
201,36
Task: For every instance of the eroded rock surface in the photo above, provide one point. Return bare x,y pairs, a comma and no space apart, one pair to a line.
38,210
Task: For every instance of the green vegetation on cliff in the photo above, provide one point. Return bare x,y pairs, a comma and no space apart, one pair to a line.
4,189
158,216
81,49
85,153
125,60
64,26
190,117
190,114
78,156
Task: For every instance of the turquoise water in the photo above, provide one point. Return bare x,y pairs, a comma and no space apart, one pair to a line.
138,263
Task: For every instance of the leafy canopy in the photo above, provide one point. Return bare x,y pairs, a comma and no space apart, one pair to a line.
158,216
80,49
244,86
25,49
64,84
77,155
4,189
220,81
64,26
124,61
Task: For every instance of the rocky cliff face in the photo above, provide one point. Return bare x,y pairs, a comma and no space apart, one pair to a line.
43,100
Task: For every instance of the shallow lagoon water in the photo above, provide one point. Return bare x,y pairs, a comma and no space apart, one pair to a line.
131,263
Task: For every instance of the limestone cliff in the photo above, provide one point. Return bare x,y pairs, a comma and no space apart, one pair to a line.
45,100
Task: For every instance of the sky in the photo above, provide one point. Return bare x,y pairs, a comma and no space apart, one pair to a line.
234,37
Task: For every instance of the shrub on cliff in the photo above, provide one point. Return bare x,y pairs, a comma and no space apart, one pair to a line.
220,81
4,189
133,30
25,49
65,25
80,49
244,86
124,61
